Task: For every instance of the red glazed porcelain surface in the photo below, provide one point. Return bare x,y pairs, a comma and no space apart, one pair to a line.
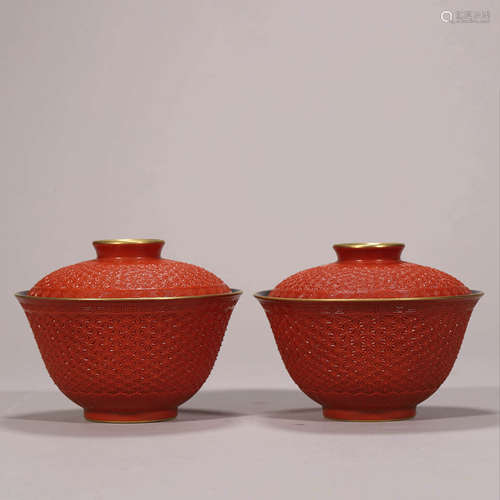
369,337
129,268
370,358
132,360
371,271
129,336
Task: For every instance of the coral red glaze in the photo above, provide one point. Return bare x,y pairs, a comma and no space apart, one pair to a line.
369,336
369,360
137,358
369,272
129,269
129,361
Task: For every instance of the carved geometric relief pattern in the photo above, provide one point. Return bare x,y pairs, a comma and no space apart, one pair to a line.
374,353
369,280
112,278
120,353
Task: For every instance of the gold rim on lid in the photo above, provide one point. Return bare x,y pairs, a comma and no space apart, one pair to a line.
127,241
368,244
264,295
24,295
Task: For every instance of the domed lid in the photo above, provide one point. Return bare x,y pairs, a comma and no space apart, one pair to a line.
129,268
369,270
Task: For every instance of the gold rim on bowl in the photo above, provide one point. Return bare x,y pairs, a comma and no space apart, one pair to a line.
264,295
24,295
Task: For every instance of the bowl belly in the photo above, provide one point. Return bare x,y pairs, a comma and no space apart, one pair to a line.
369,356
130,357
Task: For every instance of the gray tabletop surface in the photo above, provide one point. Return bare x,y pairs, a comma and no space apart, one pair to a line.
250,443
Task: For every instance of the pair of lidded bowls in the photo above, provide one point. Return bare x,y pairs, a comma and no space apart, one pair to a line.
130,336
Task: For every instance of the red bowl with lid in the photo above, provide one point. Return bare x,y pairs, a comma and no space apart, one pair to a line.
370,336
129,336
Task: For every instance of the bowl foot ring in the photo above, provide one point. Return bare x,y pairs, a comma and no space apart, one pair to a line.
140,417
369,415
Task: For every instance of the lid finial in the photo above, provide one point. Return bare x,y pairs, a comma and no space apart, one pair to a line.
128,247
368,251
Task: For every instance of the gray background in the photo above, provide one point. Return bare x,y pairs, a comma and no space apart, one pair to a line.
251,136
